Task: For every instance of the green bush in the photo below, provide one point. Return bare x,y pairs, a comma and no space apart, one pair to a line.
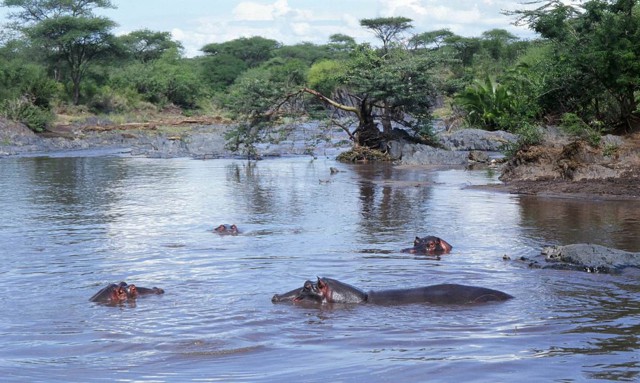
528,135
486,103
576,127
25,111
107,100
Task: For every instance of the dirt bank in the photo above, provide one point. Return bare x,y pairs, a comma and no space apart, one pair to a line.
564,167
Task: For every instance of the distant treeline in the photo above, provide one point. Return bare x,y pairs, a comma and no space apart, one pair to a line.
583,71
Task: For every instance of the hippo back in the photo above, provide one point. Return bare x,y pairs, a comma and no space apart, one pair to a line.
438,294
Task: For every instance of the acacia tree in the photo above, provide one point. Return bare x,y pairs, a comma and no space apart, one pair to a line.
71,36
391,85
387,29
386,86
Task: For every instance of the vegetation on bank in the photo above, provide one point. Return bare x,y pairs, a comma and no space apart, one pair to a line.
583,72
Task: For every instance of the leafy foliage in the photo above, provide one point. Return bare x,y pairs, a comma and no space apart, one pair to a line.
573,125
398,83
68,31
145,45
387,29
486,103
595,62
584,71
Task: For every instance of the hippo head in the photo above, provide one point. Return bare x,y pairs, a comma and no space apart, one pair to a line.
132,291
119,294
111,294
431,245
227,229
308,293
325,290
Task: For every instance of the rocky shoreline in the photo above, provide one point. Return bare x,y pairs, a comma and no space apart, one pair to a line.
559,167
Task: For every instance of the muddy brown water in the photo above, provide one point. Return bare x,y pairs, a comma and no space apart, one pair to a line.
70,225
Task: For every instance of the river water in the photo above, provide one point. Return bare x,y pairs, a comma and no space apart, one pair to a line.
71,225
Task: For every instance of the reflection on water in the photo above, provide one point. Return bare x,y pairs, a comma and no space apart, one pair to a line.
563,221
72,225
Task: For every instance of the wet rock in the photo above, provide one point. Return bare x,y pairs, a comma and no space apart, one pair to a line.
590,255
585,257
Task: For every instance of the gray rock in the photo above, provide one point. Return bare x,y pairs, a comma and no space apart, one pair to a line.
587,254
476,139
611,140
418,154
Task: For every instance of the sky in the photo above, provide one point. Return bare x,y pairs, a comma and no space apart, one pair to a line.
196,23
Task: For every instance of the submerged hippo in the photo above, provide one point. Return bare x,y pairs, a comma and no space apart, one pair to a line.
327,291
122,292
429,245
227,229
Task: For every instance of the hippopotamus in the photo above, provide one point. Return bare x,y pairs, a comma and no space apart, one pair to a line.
329,291
429,245
116,293
227,229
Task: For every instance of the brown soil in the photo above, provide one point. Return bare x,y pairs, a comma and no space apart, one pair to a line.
574,169
625,188
65,129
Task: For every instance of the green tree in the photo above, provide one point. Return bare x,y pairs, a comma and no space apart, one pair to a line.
383,86
375,88
253,51
341,45
305,52
430,40
387,29
465,48
224,62
68,31
145,45
170,79
496,41
595,60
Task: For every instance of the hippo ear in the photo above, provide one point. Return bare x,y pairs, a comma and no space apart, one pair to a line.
321,283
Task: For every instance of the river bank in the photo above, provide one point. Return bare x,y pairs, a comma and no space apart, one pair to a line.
559,167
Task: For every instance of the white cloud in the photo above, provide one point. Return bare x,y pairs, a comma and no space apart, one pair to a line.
402,8
253,11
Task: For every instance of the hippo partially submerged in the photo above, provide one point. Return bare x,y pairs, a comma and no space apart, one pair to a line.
227,229
328,291
429,245
121,292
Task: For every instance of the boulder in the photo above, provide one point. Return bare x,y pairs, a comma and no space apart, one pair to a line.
417,154
592,256
477,139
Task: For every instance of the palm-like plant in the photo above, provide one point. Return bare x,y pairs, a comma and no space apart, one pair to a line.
486,103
